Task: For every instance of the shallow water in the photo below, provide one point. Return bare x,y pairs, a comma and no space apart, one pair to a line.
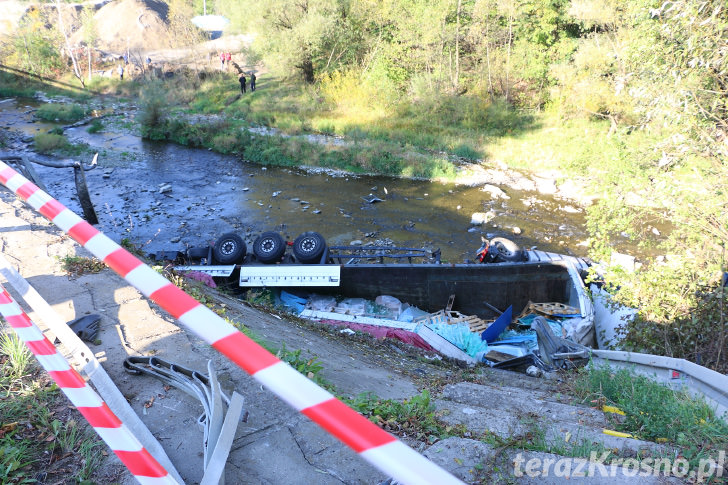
213,193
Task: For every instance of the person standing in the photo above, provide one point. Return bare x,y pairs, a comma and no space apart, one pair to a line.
228,58
242,84
222,61
120,69
252,81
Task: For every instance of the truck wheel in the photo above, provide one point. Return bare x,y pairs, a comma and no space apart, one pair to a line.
269,247
229,249
507,249
309,247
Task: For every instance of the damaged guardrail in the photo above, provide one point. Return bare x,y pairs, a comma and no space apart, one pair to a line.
375,445
120,439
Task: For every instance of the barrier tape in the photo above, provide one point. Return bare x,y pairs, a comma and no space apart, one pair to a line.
372,443
120,439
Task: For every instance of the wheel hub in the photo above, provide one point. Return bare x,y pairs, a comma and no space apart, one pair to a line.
227,247
308,245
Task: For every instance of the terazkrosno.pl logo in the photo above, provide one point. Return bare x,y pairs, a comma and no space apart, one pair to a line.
618,467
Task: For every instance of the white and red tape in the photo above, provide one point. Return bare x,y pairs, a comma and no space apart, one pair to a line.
378,447
120,439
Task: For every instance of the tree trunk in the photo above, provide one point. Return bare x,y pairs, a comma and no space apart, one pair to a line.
508,57
76,69
456,80
306,68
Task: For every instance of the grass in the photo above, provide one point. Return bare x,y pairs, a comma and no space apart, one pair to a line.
50,142
415,416
39,434
421,139
18,357
60,112
76,266
655,412
308,367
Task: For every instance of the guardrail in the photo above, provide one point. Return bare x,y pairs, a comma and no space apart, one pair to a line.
375,445
676,373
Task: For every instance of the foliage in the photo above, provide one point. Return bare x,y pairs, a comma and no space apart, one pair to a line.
308,367
625,98
50,142
153,112
307,36
77,265
95,127
60,112
35,47
696,327
414,416
35,421
654,411
18,358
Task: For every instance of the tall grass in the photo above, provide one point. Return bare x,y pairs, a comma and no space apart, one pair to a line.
50,142
60,112
655,412
31,428
15,357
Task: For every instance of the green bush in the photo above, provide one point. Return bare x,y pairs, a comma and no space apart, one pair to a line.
48,142
95,127
153,112
466,151
60,112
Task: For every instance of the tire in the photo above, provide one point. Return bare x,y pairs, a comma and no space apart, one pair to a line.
198,253
309,247
507,249
269,247
229,249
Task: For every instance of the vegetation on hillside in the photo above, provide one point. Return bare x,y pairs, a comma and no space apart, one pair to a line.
628,97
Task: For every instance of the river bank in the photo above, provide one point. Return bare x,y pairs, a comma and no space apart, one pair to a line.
208,194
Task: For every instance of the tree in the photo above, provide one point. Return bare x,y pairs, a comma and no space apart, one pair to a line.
89,32
303,36
69,48
35,46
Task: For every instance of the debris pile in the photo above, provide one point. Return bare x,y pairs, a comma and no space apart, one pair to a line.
537,340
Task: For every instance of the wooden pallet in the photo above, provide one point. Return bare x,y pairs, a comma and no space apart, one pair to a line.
454,317
548,309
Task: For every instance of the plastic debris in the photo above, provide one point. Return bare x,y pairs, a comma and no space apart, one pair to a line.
461,336
322,303
352,306
293,302
392,305
496,328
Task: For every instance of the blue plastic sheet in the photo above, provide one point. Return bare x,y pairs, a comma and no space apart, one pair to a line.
461,336
293,302
491,333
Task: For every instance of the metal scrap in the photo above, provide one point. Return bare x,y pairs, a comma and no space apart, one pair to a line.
217,434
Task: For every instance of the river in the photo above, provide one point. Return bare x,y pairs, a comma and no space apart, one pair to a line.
163,196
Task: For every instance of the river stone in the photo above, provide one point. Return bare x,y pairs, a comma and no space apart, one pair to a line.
482,217
495,192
